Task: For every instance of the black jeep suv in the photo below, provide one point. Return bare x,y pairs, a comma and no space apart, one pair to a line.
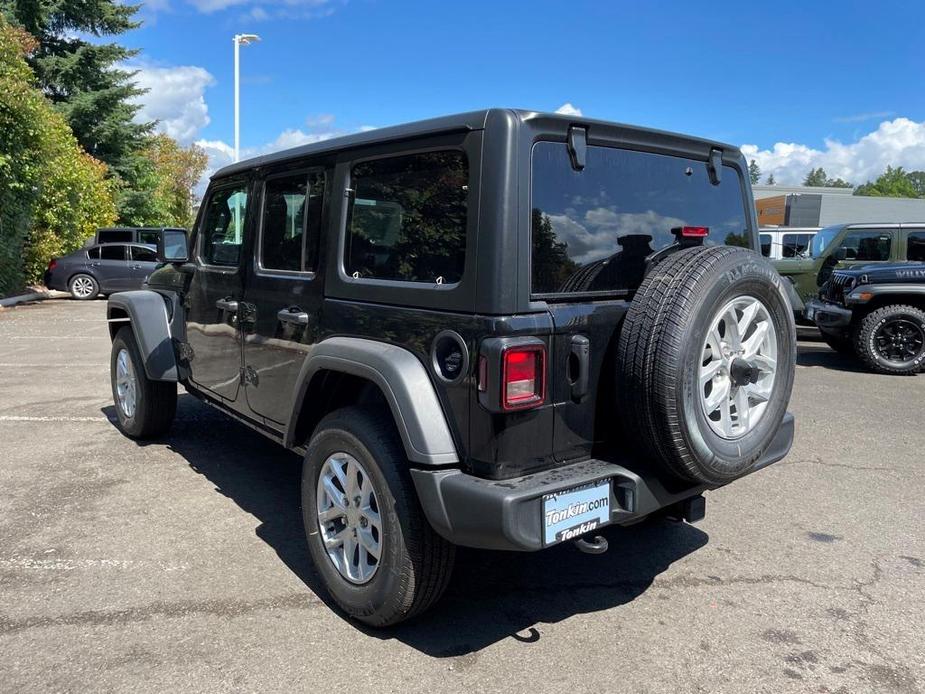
501,329
876,312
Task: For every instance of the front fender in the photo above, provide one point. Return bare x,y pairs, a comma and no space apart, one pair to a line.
403,381
147,314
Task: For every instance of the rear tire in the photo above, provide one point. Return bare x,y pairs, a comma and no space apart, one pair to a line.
83,287
144,408
875,344
699,424
414,564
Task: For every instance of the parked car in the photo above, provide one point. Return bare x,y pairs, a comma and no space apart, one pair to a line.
501,329
876,312
848,245
785,242
101,269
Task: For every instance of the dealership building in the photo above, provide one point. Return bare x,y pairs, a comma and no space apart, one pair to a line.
809,206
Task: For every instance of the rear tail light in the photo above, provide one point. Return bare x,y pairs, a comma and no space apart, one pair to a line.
52,264
523,382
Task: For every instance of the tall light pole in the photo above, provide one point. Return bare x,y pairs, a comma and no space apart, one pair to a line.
239,40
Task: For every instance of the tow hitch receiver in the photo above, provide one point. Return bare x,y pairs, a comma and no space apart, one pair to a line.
596,545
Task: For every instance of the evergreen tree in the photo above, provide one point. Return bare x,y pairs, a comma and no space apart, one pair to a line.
81,78
818,177
754,171
771,181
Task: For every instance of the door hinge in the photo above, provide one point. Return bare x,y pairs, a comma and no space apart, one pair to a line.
249,376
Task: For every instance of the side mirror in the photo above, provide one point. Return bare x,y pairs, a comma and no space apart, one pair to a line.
173,246
840,253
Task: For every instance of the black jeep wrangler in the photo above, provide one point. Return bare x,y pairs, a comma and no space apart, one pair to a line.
501,329
876,312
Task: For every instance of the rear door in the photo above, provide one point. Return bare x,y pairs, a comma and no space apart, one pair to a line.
112,268
283,296
915,243
217,289
592,232
143,261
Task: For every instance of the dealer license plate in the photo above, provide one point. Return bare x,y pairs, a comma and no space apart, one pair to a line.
574,512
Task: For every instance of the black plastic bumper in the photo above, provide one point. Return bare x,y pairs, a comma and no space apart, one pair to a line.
507,514
826,316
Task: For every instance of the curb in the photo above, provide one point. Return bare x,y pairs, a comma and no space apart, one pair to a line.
23,298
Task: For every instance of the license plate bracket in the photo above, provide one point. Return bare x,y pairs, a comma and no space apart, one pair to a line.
568,514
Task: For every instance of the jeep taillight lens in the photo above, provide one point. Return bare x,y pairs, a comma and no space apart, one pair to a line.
523,383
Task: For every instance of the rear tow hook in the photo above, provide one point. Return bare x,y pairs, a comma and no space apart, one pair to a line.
597,545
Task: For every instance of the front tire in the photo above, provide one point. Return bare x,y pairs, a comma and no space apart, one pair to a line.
83,287
144,408
374,550
891,340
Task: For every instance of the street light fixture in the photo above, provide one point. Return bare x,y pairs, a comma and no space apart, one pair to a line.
239,40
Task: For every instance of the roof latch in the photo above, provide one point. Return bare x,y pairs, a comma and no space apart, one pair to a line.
715,166
578,147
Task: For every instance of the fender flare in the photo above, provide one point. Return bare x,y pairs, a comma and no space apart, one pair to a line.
403,381
147,314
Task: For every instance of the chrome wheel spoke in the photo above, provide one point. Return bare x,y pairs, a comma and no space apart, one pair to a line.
717,397
756,340
708,372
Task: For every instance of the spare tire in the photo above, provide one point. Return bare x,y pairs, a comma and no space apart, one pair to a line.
706,361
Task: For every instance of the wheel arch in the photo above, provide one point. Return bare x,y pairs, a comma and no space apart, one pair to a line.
344,370
146,313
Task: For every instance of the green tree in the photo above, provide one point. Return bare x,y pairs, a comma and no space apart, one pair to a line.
917,179
892,183
551,263
53,195
754,171
818,177
82,80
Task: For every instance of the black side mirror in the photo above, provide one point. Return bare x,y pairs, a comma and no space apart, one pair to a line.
173,246
840,254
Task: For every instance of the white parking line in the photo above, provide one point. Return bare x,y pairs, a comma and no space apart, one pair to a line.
62,365
26,418
58,337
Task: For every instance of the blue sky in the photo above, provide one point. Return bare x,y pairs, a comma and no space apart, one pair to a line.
834,84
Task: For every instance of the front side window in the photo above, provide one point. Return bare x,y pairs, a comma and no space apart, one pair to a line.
222,228
593,229
291,222
408,218
870,245
144,255
915,246
112,252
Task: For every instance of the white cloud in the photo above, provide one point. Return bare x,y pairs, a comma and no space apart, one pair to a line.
265,9
862,117
898,142
175,98
567,109
596,236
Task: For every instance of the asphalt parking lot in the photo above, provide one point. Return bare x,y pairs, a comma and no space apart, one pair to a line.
179,565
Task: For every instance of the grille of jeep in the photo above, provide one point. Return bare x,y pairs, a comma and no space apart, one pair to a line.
834,290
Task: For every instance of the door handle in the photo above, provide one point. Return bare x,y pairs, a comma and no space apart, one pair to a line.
579,366
227,305
292,315
94,264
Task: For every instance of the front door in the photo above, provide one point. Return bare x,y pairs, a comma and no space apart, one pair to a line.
283,295
216,290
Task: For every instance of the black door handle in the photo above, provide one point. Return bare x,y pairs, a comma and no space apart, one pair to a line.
579,366
292,315
227,305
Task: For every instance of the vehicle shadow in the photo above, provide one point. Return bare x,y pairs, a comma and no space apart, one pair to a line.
820,354
492,596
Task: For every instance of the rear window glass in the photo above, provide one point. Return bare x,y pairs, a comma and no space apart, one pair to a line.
592,229
408,218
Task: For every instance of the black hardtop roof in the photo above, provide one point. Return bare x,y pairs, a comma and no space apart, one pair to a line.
473,120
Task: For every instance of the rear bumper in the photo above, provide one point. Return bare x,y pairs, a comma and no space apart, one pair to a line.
507,514
828,317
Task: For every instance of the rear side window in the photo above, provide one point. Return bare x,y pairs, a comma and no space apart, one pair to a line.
872,245
291,222
795,245
408,218
149,236
765,245
915,246
592,229
112,252
114,235
222,229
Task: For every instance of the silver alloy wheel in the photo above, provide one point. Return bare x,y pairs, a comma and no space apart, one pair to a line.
82,286
126,383
738,367
348,518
